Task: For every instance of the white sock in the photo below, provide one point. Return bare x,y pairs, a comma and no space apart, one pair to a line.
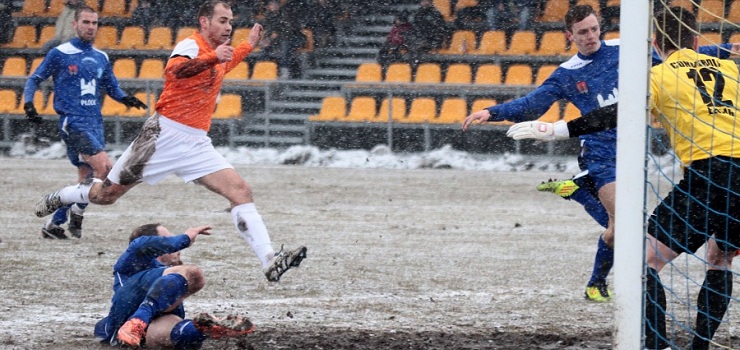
251,227
77,210
78,193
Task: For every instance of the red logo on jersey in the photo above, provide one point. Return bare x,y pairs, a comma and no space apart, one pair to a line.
582,87
72,69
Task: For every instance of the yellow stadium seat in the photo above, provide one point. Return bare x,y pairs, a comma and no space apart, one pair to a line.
264,70
362,109
458,73
711,11
552,115
47,33
131,37
488,74
332,108
443,6
491,42
24,36
228,107
552,43
481,104
151,68
149,99
160,38
522,43
593,3
240,34
571,112
240,72
396,112
15,67
112,8
124,68
35,64
461,4
687,4
422,110
554,11
55,8
462,42
544,72
734,14
710,39
44,105
452,111
519,74
369,72
31,8
398,73
429,73
11,103
111,107
183,33
107,37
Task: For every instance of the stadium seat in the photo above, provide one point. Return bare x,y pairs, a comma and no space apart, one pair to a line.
149,99
522,43
112,108
458,73
239,35
264,70
711,11
461,4
333,108
124,68
429,73
398,73
709,38
443,6
488,74
571,112
397,111
44,105
15,67
31,8
131,37
229,107
552,43
481,104
35,64
151,68
369,72
544,72
11,102
114,9
362,109
47,33
55,8
240,72
552,115
183,33
106,37
422,110
23,36
491,42
554,11
594,4
452,111
734,14
462,42
160,38
518,74
687,4
613,3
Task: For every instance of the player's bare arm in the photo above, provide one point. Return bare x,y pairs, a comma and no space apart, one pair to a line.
480,116
255,35
187,67
193,232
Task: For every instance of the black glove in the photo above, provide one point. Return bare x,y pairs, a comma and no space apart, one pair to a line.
131,101
31,114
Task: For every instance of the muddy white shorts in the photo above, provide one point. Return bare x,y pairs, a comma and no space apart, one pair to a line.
165,147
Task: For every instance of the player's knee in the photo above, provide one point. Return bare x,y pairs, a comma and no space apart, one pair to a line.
195,277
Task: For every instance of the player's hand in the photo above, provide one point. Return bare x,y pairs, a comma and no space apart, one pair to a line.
539,131
480,116
195,231
225,51
31,114
255,35
130,101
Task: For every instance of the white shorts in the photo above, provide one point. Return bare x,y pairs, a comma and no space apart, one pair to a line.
165,147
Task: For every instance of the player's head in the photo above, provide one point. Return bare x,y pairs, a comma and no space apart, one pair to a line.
156,229
675,28
85,23
215,18
583,29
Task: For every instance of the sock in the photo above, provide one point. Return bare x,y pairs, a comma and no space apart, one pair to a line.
603,263
251,227
79,208
186,337
163,293
655,304
712,304
60,216
592,205
78,193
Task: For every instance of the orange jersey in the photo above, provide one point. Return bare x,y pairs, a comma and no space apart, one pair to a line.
191,99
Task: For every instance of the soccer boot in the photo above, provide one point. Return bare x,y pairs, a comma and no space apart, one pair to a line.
283,262
51,231
75,224
216,327
599,293
132,332
562,188
48,204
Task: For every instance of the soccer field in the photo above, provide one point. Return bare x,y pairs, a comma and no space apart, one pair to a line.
397,259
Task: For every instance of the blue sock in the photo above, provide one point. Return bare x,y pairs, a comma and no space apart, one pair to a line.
592,204
602,263
60,215
163,293
186,337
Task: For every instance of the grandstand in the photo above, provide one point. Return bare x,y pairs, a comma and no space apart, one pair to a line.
278,112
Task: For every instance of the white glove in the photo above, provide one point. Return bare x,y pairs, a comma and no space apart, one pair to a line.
539,131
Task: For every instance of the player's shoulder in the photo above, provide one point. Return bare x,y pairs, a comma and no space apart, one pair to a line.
101,53
66,48
187,47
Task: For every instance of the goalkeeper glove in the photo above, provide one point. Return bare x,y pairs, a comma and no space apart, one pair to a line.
131,101
539,131
31,114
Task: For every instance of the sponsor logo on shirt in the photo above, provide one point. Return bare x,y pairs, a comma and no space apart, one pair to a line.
582,87
88,88
72,69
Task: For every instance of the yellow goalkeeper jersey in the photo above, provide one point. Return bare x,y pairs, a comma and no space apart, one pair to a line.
695,97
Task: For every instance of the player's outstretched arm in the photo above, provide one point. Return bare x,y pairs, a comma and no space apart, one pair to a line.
195,231
480,116
599,120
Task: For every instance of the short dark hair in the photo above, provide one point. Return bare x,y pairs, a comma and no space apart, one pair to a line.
207,8
144,230
578,13
81,9
675,28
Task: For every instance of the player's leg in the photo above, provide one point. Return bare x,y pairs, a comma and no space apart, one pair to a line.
714,296
170,331
580,189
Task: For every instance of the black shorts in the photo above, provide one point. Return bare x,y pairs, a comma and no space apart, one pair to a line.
705,203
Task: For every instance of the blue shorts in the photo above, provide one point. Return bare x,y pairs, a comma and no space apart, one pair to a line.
82,135
600,161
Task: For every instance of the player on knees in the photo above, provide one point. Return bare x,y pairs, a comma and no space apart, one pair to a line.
150,284
174,140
